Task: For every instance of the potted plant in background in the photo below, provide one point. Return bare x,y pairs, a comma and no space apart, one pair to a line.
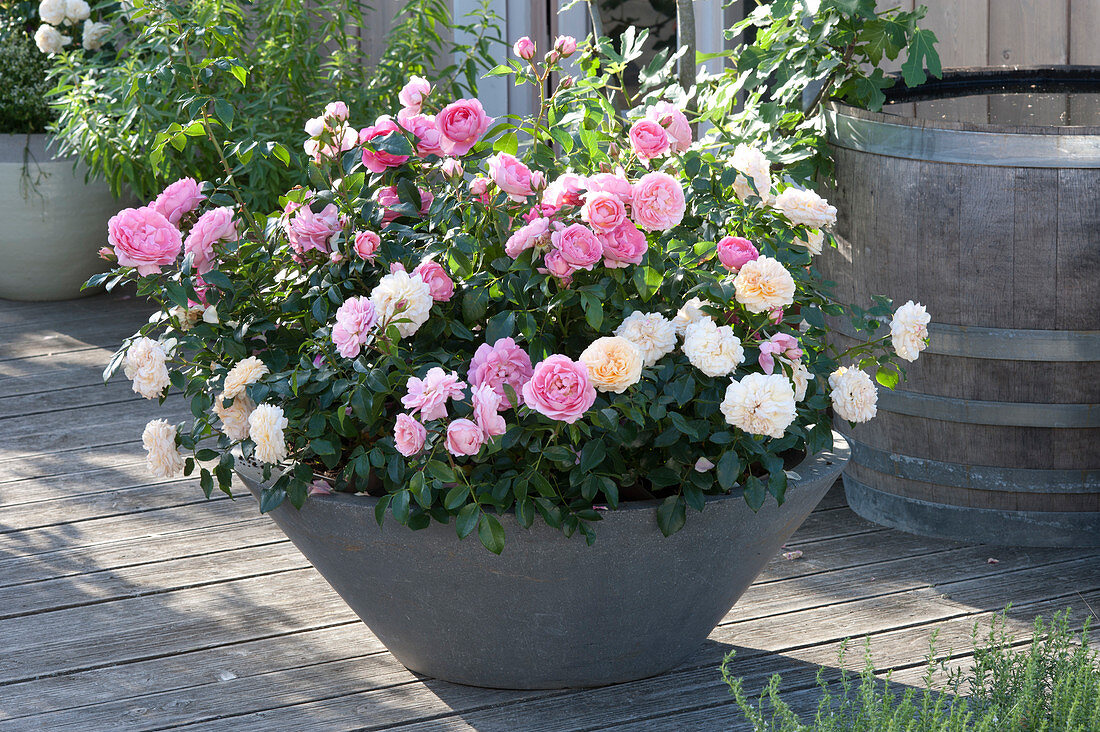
617,334
53,215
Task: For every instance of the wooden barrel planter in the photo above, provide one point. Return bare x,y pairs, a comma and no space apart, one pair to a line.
956,197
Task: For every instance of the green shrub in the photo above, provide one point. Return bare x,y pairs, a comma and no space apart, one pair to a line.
23,84
1052,684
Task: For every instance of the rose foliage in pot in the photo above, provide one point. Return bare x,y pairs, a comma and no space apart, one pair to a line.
466,316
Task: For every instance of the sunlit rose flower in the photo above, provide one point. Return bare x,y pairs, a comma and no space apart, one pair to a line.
909,330
178,199
94,34
212,227
439,282
511,176
486,406
735,251
52,11
501,363
162,458
144,239
813,241
265,427
414,92
308,230
690,312
854,395
556,265
408,435
366,244
49,39
400,295
614,183
800,377
565,190
559,388
658,202
527,236
464,438
429,395
760,404
375,159
578,246
674,122
235,417
805,208
652,333
648,140
751,163
76,11
145,366
524,48
614,364
764,284
625,245
427,134
565,45
711,348
355,323
452,168
604,212
462,123
247,371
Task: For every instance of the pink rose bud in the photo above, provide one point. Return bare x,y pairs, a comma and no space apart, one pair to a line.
479,185
366,244
566,82
538,180
735,252
336,257
464,438
452,168
106,253
337,111
775,315
565,45
524,48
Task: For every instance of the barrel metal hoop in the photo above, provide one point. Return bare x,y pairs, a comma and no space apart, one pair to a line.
972,411
999,149
975,477
1002,344
966,523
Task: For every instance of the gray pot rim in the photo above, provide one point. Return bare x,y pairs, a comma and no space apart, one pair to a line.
808,469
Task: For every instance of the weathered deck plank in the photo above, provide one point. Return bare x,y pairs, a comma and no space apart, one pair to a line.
128,603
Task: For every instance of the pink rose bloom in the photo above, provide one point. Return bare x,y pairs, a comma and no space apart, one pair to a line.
578,246
464,438
427,134
430,394
559,389
387,198
674,122
565,45
501,363
355,321
511,176
526,237
377,161
143,238
413,93
648,139
565,191
366,244
658,203
779,344
178,199
213,226
452,168
554,264
611,183
336,111
462,124
524,48
486,404
310,230
539,211
625,245
408,435
603,211
439,282
735,252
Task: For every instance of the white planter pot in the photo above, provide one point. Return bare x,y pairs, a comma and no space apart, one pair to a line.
52,222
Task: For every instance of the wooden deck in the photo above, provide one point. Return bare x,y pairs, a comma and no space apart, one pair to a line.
134,604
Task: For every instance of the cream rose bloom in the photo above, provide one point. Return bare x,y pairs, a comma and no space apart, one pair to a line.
806,208
764,284
690,312
76,11
760,404
265,427
49,39
909,330
401,295
800,377
52,11
751,162
247,371
161,456
94,34
652,333
854,395
714,350
614,364
145,366
187,317
813,241
234,418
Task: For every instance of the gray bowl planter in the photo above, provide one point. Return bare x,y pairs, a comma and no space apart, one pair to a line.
53,223
550,612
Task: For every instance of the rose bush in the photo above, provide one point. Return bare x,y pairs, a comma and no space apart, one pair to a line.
475,326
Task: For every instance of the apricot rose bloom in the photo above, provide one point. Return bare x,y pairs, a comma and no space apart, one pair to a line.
162,458
764,284
760,404
265,427
234,417
247,371
614,364
145,366
806,208
909,330
854,395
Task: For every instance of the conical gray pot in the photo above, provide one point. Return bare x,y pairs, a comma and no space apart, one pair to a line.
550,612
